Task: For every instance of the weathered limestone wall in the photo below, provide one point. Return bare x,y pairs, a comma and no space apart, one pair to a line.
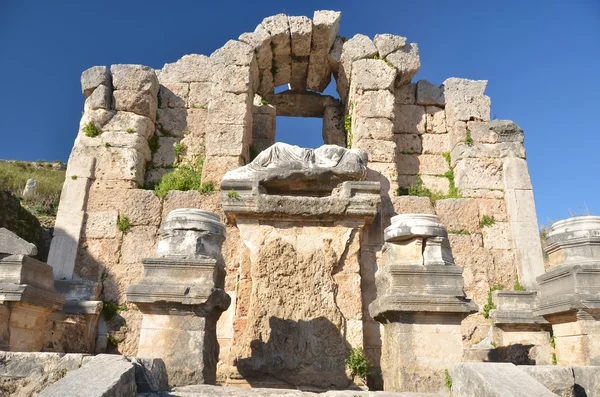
222,109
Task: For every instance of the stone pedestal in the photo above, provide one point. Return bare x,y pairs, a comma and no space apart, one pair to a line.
570,290
179,299
520,336
300,297
75,327
421,303
27,297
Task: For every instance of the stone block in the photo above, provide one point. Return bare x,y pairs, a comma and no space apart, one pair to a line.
408,164
436,120
117,140
358,47
118,379
372,74
12,244
507,131
409,119
412,205
559,380
434,143
139,102
479,173
124,121
228,140
437,184
333,126
141,206
379,151
587,380
407,61
173,95
101,224
476,108
494,379
172,121
406,94
325,29
408,143
263,125
260,40
101,98
235,79
497,236
459,214
190,68
375,104
388,43
386,175
134,78
430,94
165,156
432,164
481,132
336,54
516,173
373,128
300,34
120,164
200,93
94,77
215,167
457,89
228,108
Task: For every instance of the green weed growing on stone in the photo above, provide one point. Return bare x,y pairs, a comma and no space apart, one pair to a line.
112,340
91,130
110,310
130,131
123,223
185,177
207,187
554,359
153,143
489,306
469,139
107,145
264,101
486,220
518,286
179,149
348,129
553,342
448,379
358,363
232,194
74,177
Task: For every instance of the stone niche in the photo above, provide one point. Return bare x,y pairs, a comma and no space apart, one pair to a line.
569,292
303,310
421,303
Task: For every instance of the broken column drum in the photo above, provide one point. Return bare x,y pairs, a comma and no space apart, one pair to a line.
180,296
570,290
420,302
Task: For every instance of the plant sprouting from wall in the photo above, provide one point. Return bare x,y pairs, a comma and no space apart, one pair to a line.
359,365
91,130
123,223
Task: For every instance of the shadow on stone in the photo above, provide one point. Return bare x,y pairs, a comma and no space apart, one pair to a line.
304,354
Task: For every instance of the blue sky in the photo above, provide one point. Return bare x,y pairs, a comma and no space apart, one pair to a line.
541,57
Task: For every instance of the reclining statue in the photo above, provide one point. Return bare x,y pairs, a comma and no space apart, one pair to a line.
283,162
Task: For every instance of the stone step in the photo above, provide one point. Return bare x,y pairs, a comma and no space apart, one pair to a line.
222,391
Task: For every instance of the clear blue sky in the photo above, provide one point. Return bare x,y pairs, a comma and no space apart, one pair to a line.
541,57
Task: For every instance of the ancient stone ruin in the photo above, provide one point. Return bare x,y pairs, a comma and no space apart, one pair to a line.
409,239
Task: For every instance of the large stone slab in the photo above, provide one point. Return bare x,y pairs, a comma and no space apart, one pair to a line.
495,380
587,381
559,380
12,244
325,28
117,379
